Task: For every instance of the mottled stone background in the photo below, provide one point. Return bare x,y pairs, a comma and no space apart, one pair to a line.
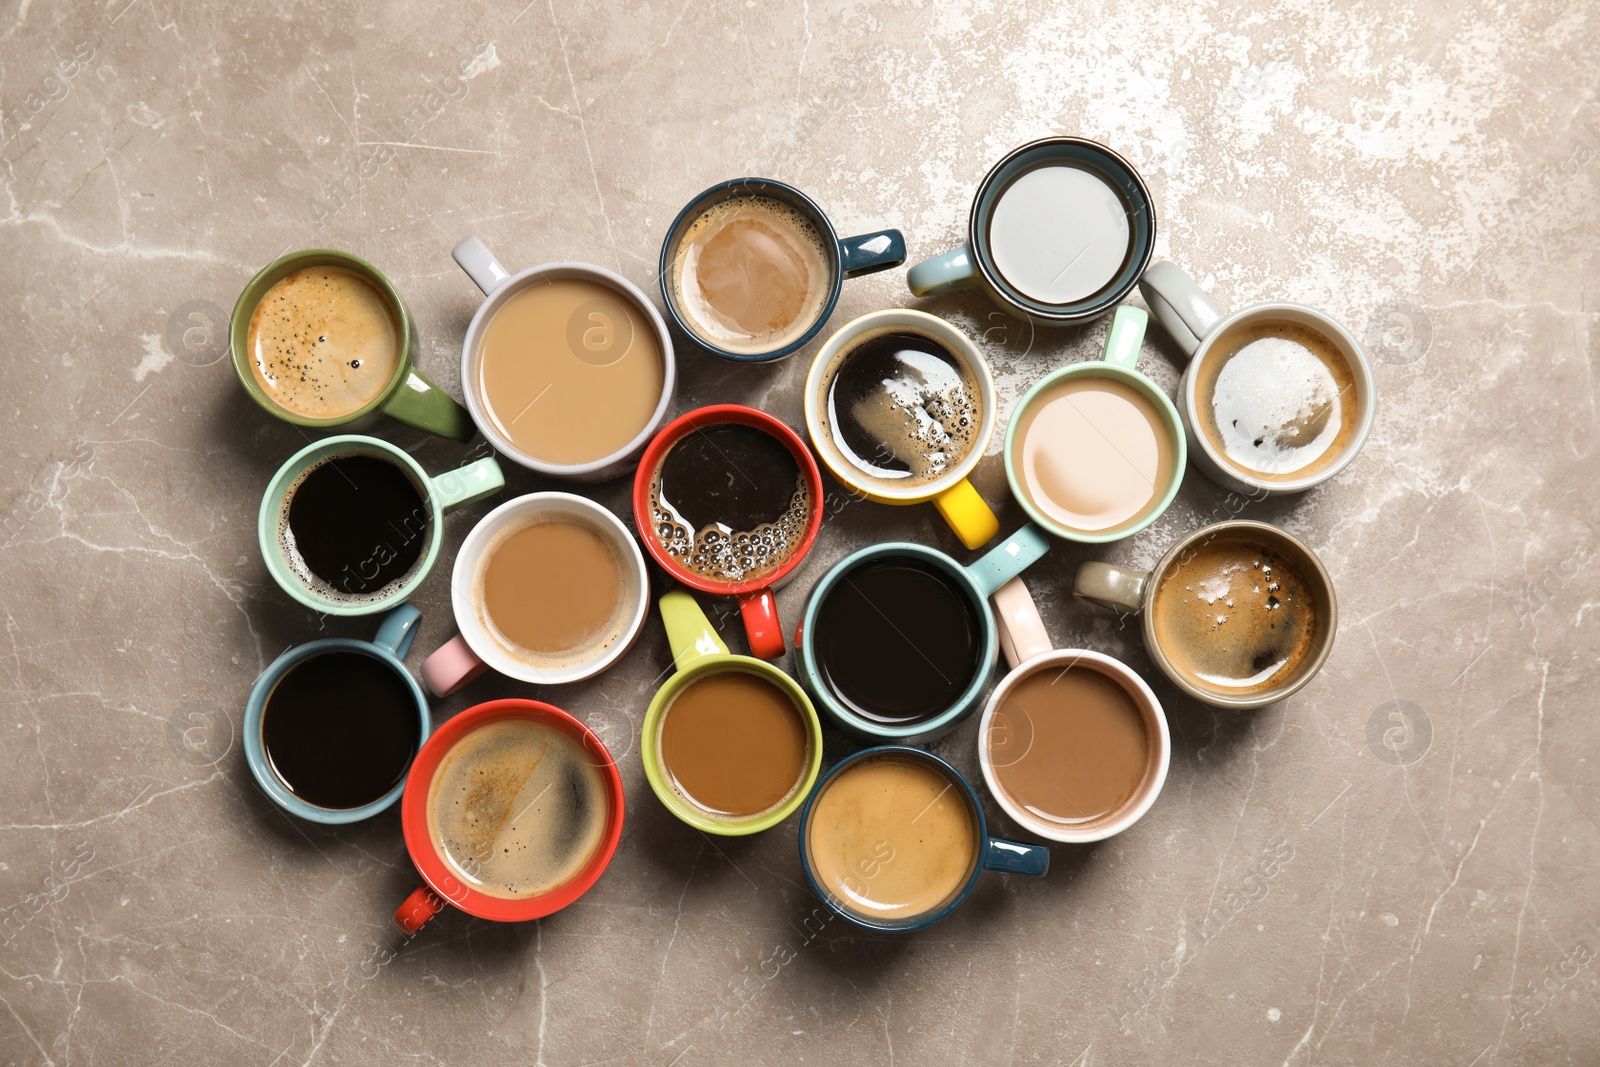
1304,892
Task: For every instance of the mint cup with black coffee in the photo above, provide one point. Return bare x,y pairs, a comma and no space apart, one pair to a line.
898,643
351,525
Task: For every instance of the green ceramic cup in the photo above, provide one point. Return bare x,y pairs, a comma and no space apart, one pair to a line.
408,397
450,490
1117,363
698,652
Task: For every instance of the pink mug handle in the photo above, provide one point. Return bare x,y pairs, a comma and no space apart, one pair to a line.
451,666
760,614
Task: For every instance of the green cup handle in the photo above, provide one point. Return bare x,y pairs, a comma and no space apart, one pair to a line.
424,406
689,632
1180,305
399,629
1127,334
943,274
467,484
1009,558
1117,588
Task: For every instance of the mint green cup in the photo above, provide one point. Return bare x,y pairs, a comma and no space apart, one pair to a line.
697,653
1117,364
450,490
408,397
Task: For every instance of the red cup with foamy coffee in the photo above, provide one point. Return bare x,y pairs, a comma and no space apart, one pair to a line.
728,500
512,810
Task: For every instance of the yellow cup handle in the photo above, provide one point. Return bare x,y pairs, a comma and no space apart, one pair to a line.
967,514
689,632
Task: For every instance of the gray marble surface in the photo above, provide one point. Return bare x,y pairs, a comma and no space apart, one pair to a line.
1300,894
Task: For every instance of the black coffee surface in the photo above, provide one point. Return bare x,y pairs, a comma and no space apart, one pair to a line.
897,641
730,502
340,729
358,523
902,407
730,475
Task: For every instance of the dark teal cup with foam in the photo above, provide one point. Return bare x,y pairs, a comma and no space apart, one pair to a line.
800,247
893,839
901,649
387,648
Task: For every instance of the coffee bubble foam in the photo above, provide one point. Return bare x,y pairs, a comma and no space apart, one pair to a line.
725,555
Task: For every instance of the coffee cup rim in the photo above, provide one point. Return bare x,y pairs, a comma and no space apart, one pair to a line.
605,467
272,501
255,745
927,729
704,418
264,279
435,868
1308,670
827,451
463,583
1147,387
1149,708
697,207
891,751
1354,356
1059,314
654,767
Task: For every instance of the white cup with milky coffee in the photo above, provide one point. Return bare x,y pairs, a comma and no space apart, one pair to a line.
567,368
1277,397
548,588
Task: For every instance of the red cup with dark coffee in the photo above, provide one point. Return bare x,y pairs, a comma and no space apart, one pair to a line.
512,810
728,500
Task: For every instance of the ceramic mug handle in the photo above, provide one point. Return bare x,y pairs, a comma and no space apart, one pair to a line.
451,666
943,274
969,516
1009,558
421,906
871,252
1014,857
1018,623
398,630
1114,587
422,405
1180,305
464,485
689,632
474,257
759,611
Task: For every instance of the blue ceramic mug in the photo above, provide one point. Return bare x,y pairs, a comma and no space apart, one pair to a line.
898,642
801,250
393,640
894,839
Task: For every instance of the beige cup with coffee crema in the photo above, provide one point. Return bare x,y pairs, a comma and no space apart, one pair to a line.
1238,614
1277,397
549,588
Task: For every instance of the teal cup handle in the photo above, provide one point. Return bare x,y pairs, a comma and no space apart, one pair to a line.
943,274
399,629
1009,558
871,252
1014,857
464,485
391,642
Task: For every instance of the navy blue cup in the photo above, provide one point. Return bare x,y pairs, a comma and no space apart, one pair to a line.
993,853
848,257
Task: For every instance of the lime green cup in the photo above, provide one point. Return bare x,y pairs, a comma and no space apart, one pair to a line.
699,653
450,490
407,397
1149,462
